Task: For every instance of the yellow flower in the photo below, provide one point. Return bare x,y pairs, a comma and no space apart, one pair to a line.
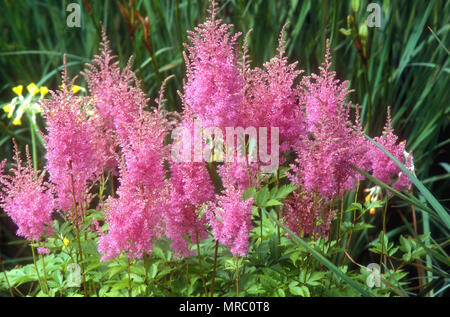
17,121
10,110
372,211
76,88
33,89
66,243
7,108
44,91
18,90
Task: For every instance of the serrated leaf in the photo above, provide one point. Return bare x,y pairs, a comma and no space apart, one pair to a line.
273,202
302,291
284,191
262,196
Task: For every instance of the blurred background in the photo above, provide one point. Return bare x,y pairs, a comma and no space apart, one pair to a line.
404,63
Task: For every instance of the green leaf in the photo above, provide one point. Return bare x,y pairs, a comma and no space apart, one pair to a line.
262,196
322,259
284,191
273,202
302,291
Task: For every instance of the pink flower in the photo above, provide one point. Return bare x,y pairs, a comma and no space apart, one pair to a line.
272,99
76,145
230,219
143,148
323,95
43,250
332,147
214,84
115,92
191,188
307,214
133,220
2,166
27,199
382,166
241,175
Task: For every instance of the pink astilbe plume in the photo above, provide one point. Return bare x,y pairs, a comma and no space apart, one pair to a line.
191,188
143,148
305,214
75,143
323,94
116,97
383,167
116,93
271,98
214,84
135,219
242,176
27,199
230,218
332,147
325,163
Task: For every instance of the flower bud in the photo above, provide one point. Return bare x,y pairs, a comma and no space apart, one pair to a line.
355,5
363,34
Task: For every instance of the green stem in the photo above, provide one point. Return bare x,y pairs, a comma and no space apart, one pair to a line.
146,273
384,232
33,143
354,221
369,91
77,227
214,267
129,279
200,263
277,208
237,275
44,271
340,218
6,277
261,214
35,266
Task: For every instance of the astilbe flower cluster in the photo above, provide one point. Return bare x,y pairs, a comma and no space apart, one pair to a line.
27,199
241,175
117,99
272,98
115,92
307,214
332,146
231,218
322,95
134,217
191,189
382,166
75,144
133,220
213,89
109,131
